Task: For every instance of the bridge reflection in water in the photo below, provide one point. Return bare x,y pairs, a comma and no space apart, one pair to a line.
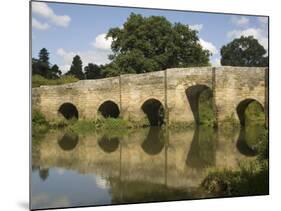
143,165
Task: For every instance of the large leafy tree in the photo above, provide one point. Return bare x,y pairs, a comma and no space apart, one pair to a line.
76,68
93,71
244,51
146,44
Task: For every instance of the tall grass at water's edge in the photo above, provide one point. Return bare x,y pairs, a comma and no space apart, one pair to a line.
251,178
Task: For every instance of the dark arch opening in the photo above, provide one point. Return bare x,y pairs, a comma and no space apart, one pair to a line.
200,101
242,106
109,109
154,111
252,120
69,111
108,144
154,142
69,141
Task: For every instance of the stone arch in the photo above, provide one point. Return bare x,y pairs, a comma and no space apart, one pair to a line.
68,111
154,111
109,109
193,93
242,106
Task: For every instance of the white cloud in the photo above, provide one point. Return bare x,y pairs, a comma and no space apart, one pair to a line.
91,56
257,33
101,42
197,27
43,10
216,62
240,21
208,46
38,25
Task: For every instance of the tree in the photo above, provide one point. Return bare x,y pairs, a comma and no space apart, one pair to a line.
41,66
76,68
43,63
146,44
54,72
244,51
44,56
93,71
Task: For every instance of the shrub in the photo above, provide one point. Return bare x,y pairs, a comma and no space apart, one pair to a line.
39,124
251,178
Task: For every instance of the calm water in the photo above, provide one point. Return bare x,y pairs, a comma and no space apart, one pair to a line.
143,165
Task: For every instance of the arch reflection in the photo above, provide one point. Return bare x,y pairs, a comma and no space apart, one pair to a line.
108,144
202,151
249,138
69,141
154,141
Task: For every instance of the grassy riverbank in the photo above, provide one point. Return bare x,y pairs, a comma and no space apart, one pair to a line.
40,125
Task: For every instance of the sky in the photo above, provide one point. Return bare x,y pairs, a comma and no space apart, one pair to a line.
69,29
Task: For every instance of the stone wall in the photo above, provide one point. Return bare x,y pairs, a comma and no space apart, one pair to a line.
233,85
230,86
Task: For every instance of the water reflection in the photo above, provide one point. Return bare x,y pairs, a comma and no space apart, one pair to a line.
154,142
109,170
202,152
68,141
108,144
248,139
43,173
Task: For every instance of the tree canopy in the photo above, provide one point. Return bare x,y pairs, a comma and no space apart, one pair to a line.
147,44
76,68
93,71
244,51
41,66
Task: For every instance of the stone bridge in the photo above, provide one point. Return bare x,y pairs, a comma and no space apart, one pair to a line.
172,93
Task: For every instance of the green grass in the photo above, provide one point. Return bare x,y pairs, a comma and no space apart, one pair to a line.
38,80
83,126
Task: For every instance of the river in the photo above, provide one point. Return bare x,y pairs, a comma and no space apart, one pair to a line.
143,165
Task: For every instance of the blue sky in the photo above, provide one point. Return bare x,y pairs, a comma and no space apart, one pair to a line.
70,29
